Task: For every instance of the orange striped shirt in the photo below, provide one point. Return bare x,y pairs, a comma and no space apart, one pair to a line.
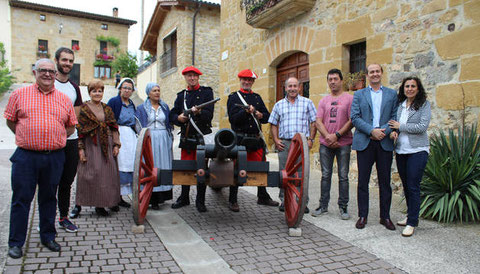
41,119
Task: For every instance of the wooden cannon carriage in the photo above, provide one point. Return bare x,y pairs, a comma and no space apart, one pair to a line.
223,164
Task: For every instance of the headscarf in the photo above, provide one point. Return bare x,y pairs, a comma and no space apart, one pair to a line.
88,124
123,80
148,105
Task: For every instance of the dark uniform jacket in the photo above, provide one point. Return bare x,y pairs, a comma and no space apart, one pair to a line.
242,122
203,120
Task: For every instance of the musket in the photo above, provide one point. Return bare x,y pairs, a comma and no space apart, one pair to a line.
246,107
188,112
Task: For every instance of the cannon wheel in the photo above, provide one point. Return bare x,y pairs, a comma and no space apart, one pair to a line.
295,180
144,176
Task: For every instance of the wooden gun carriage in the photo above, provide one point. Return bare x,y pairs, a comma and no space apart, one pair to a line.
223,164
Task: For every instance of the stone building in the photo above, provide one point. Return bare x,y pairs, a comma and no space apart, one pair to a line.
434,39
181,34
39,30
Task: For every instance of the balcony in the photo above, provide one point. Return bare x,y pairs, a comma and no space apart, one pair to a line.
104,55
42,52
266,14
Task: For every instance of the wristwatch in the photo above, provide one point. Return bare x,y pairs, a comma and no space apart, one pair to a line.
310,139
338,135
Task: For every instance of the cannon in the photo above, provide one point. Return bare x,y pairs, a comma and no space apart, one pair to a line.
223,164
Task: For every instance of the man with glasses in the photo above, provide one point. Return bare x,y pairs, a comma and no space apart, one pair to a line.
64,60
41,118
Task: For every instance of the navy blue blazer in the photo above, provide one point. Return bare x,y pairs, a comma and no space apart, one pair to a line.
361,115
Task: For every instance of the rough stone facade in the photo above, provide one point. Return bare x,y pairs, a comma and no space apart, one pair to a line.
27,29
405,37
436,40
207,50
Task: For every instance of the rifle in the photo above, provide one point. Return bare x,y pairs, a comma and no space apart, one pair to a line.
188,112
245,107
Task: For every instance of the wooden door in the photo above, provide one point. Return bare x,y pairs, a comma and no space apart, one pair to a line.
295,65
75,74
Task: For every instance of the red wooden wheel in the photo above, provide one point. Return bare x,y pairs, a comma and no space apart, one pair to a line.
144,176
295,180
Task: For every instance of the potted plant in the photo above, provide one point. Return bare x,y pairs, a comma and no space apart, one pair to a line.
76,47
354,80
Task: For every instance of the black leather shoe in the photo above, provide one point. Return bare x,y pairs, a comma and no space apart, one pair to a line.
52,245
75,212
101,211
201,207
115,208
387,223
362,221
267,202
281,208
124,204
155,207
15,252
307,210
234,207
179,203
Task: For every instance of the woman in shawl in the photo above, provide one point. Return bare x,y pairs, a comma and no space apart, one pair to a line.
98,182
153,114
124,111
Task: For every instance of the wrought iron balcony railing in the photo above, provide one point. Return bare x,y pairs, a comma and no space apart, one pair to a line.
266,14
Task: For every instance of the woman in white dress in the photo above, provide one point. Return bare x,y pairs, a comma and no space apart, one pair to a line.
124,110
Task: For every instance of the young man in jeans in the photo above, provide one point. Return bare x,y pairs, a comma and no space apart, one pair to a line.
334,124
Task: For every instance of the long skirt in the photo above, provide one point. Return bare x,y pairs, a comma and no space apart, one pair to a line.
98,181
126,158
162,157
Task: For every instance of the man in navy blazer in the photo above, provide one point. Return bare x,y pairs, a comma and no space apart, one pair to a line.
372,108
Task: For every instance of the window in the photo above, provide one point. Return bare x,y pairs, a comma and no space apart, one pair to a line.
103,47
43,17
358,57
42,46
169,56
104,26
75,45
102,72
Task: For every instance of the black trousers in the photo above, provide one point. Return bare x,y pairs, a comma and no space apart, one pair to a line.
374,153
262,194
68,175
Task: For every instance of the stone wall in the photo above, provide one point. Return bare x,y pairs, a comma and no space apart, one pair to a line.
27,29
207,50
146,76
5,34
434,39
405,37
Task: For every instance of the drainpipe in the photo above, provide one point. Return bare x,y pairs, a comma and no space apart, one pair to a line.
193,32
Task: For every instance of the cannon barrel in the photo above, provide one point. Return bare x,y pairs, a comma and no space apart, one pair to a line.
225,142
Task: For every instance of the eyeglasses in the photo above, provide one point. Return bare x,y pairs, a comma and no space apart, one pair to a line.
45,71
127,88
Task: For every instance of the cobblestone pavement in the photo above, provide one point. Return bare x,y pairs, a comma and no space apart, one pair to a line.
102,244
255,240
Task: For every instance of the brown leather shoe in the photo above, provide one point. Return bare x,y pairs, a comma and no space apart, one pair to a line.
362,221
387,223
234,207
268,202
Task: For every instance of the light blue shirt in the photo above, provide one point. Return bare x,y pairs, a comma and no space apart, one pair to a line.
376,105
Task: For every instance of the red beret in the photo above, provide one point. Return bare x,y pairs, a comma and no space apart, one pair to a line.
246,73
191,69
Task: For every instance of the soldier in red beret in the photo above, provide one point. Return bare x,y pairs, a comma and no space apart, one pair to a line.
198,124
246,122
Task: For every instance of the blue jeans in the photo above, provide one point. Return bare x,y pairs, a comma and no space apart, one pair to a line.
327,155
410,168
30,169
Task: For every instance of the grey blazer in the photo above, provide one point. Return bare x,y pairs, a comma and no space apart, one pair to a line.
362,117
417,125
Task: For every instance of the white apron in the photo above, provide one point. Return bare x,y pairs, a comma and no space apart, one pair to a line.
126,155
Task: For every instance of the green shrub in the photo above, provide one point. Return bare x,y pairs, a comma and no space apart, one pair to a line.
450,189
6,77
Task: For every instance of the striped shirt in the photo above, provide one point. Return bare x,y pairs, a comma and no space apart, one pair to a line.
293,118
41,119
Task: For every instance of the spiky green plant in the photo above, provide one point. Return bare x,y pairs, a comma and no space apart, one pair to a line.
450,190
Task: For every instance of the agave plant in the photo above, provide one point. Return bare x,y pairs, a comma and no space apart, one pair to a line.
450,190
